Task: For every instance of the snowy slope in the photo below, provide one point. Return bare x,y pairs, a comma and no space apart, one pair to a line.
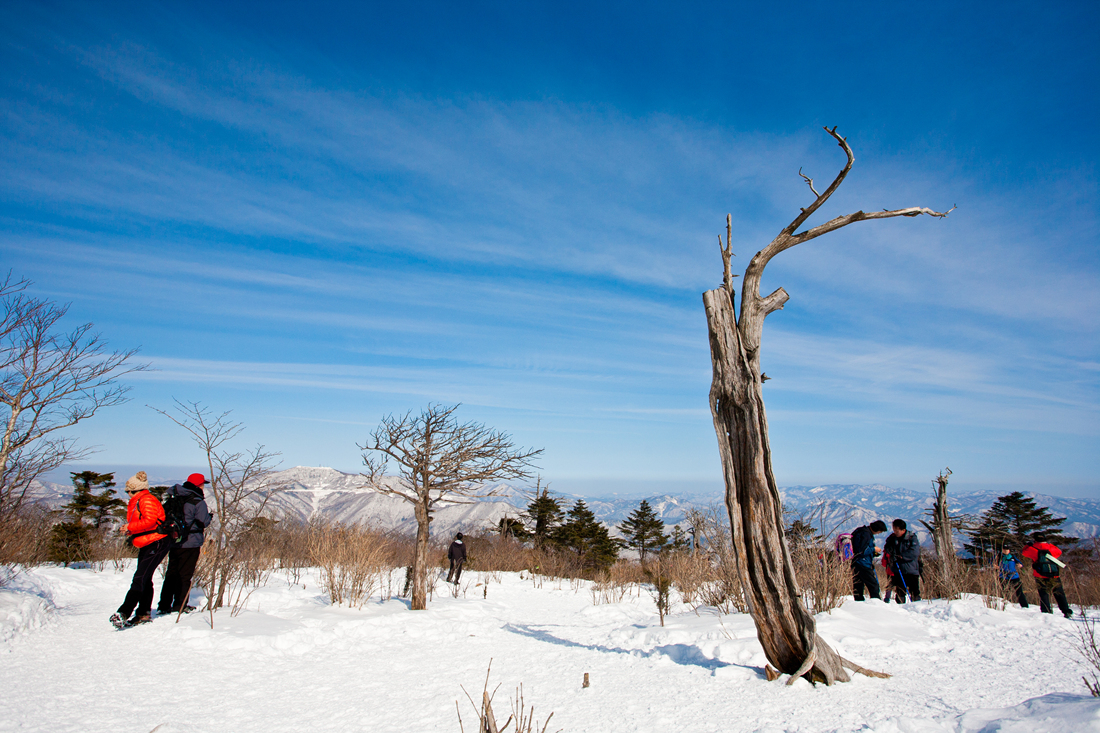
292,662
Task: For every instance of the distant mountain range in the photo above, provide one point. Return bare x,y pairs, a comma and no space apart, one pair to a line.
832,508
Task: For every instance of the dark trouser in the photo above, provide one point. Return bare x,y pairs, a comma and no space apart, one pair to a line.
455,571
141,587
1014,584
1048,585
177,579
903,585
864,576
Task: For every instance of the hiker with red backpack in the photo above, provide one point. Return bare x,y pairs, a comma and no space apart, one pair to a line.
144,517
187,505
1047,569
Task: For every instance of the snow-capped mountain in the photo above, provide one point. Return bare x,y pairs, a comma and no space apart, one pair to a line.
345,497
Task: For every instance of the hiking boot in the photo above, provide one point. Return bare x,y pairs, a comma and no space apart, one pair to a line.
138,620
117,621
188,609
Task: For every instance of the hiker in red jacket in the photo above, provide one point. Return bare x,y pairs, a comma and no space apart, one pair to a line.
144,515
1047,571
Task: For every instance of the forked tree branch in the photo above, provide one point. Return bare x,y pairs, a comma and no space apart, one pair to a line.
755,308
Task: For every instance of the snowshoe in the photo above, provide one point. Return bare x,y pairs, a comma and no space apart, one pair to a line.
118,622
188,609
138,621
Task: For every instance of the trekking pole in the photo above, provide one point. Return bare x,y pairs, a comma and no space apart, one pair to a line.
186,598
901,577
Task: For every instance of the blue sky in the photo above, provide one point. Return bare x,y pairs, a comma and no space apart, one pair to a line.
316,217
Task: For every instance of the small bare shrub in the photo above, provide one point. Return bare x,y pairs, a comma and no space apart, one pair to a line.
522,718
614,584
24,539
1085,646
688,571
352,560
825,579
722,588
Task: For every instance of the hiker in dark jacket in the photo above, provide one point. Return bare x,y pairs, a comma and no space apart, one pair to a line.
1010,575
863,559
901,556
1048,575
183,557
457,555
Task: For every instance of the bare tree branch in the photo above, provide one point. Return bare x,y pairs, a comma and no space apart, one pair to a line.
240,486
809,182
754,308
49,381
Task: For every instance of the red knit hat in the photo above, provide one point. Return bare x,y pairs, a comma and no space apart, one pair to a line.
196,479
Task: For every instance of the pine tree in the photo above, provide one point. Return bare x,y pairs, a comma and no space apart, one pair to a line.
513,527
1014,521
643,530
801,534
544,512
678,539
584,535
98,508
73,540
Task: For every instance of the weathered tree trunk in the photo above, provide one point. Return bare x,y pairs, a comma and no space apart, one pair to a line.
420,558
785,628
940,530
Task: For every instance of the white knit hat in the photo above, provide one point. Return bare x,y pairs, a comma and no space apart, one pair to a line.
138,482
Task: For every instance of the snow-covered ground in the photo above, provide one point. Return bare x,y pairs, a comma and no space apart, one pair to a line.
292,662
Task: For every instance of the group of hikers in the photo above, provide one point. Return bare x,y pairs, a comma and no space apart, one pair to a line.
901,558
177,533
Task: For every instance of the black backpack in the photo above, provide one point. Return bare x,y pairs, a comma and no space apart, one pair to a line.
174,525
1045,566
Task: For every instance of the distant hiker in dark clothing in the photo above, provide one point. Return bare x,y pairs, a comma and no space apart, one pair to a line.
1010,575
183,557
1047,572
457,556
901,557
863,559
144,515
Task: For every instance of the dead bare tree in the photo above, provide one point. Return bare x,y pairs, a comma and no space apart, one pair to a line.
240,485
785,628
49,380
941,528
439,459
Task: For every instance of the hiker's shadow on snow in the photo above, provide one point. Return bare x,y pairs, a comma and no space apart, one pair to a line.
685,654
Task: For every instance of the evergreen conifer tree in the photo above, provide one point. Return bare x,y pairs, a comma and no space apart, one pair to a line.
513,527
73,540
583,534
644,531
1014,521
98,508
678,539
544,512
801,534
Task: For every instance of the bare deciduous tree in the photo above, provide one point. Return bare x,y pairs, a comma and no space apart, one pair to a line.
240,486
439,459
49,380
785,628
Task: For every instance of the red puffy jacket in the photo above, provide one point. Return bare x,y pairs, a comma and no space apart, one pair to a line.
144,514
1031,552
